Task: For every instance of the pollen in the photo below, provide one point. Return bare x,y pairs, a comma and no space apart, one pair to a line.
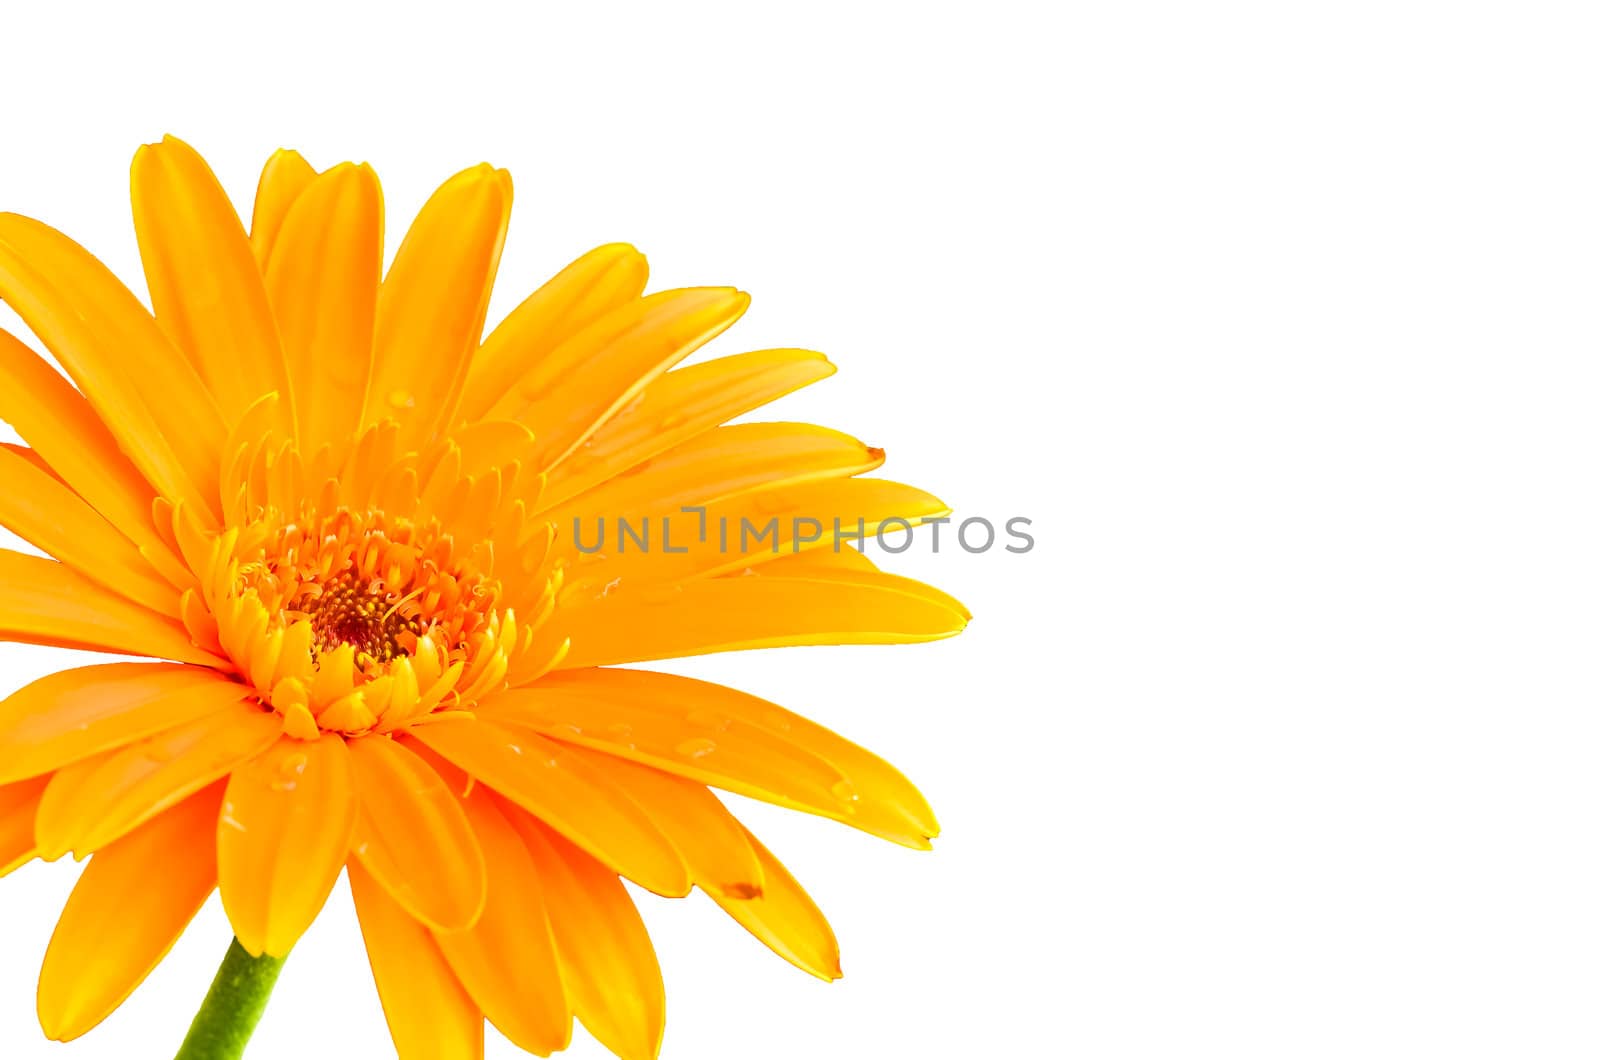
362,615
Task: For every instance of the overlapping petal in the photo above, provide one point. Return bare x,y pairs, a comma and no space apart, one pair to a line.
607,962
507,961
430,1014
67,716
282,839
128,908
543,778
413,838
204,282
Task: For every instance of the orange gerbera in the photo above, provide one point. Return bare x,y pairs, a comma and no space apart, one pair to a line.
346,526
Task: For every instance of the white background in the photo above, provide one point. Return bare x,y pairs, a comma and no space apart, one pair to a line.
1279,320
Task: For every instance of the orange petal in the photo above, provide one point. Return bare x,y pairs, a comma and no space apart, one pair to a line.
283,178
73,714
786,920
323,283
44,602
603,279
204,282
19,803
94,802
813,561
507,961
699,827
609,711
40,509
432,303
718,464
412,836
735,614
129,907
546,780
147,392
64,430
569,392
761,750
430,1015
606,958
284,833
680,405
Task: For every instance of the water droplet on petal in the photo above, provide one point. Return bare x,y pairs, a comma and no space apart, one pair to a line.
698,747
709,719
290,770
402,399
846,793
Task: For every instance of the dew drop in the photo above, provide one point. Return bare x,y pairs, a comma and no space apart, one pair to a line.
698,747
846,793
402,399
710,719
290,770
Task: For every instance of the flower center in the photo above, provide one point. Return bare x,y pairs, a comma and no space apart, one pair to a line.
362,615
355,622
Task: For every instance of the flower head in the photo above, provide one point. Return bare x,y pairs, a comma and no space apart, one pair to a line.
349,529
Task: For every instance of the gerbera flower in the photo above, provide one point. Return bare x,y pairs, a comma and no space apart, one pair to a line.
344,523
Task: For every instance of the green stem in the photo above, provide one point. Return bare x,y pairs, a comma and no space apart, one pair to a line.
233,1007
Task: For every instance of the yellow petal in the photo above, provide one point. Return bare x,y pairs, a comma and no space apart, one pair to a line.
43,511
44,602
63,429
323,283
95,801
735,614
204,281
146,391
786,920
129,907
568,393
284,833
507,961
70,715
549,782
432,303
718,464
412,836
678,406
283,178
19,802
705,835
430,1015
602,280
607,961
